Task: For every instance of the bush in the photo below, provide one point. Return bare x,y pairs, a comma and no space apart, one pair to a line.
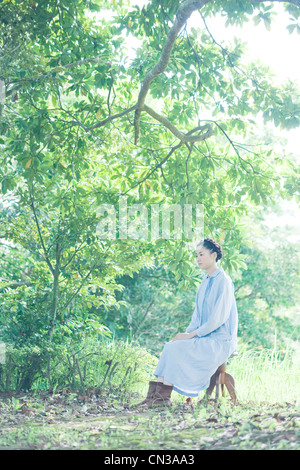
100,364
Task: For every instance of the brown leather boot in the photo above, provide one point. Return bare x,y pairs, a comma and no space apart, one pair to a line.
161,396
150,393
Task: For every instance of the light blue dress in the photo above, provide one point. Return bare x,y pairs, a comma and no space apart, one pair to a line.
189,364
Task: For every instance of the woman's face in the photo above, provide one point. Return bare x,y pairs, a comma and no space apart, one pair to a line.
205,259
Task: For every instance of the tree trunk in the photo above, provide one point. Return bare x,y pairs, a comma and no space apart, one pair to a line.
54,304
53,310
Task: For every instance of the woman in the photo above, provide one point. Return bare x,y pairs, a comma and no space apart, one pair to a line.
191,358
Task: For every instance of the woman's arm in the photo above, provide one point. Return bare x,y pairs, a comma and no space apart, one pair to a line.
220,313
193,324
185,335
220,310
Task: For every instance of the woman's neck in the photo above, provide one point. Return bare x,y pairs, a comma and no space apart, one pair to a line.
211,270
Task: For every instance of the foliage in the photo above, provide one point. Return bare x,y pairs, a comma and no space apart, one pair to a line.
99,365
265,418
156,307
72,139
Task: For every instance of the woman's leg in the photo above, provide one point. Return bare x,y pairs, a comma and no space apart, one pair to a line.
161,379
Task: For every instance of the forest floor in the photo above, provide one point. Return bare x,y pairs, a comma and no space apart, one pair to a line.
69,421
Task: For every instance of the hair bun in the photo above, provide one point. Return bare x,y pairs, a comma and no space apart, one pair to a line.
213,246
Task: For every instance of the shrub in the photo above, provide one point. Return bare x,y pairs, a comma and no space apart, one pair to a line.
99,364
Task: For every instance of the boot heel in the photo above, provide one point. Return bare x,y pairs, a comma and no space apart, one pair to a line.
150,393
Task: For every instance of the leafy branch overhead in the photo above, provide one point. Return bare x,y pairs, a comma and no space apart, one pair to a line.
56,74
126,101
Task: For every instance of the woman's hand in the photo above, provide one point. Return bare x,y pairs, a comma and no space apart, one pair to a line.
180,336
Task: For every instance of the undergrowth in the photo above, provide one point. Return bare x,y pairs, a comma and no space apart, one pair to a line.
266,415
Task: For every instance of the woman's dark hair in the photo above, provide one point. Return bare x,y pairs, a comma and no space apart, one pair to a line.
212,246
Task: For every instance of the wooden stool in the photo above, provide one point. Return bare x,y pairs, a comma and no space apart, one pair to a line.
221,377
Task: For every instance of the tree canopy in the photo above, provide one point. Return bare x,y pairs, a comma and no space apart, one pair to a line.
87,118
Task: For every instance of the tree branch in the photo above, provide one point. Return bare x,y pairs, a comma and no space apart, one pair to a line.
73,255
183,137
159,165
190,147
144,318
58,68
40,236
76,291
183,13
15,285
111,118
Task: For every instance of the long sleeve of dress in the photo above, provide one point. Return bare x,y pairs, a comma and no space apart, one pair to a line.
220,311
194,323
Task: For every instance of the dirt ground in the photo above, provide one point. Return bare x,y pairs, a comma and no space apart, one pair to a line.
69,421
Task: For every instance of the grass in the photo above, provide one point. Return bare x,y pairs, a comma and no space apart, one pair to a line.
266,416
269,375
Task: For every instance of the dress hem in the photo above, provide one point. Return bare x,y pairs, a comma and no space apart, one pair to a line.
184,392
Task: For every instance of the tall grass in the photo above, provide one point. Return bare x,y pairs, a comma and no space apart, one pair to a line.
267,375
107,365
124,368
261,376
